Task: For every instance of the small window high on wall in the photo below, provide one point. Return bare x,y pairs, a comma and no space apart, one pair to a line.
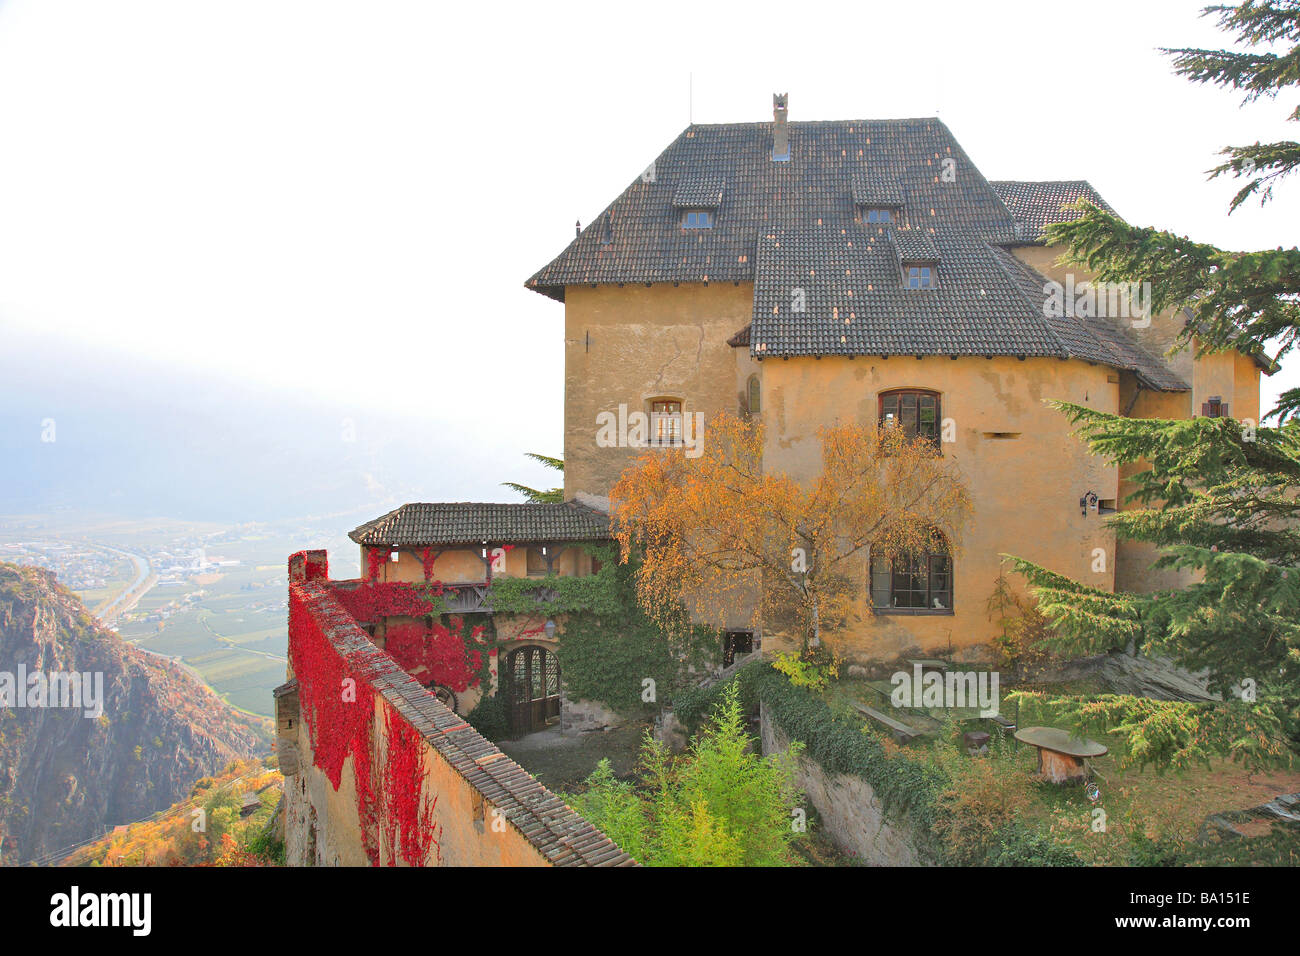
1216,407
666,422
753,396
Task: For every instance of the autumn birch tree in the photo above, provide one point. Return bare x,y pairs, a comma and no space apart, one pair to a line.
718,532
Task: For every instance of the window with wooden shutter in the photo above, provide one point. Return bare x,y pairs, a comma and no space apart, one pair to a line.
1214,408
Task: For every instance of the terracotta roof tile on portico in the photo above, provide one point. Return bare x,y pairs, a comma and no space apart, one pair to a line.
467,522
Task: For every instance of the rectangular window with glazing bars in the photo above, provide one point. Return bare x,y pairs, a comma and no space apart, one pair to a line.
666,423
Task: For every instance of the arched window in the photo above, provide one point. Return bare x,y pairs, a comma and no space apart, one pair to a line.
916,410
754,397
912,583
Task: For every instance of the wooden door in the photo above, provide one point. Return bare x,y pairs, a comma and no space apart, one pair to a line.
534,688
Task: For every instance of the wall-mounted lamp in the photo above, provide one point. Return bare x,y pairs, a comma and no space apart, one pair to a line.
1088,501
550,630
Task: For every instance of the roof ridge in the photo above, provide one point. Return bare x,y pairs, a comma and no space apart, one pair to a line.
817,122
1042,182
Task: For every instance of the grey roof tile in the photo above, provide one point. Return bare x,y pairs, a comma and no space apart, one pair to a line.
1096,339
814,187
839,291
914,245
826,283
1038,204
699,192
873,188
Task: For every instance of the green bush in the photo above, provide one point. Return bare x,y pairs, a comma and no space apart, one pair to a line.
603,593
608,660
717,805
607,652
1017,845
264,843
909,787
489,717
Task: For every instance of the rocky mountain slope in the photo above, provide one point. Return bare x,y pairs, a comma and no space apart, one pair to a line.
64,776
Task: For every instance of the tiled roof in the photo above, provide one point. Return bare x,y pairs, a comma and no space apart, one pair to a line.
1097,339
875,189
914,245
839,291
741,338
826,283
1038,204
814,186
699,192
419,524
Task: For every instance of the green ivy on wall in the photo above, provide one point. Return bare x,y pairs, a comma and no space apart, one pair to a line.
609,648
600,593
611,660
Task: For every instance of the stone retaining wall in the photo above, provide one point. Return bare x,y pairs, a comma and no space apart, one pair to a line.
851,814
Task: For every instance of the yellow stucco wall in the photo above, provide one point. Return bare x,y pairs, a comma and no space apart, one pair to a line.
632,344
464,824
1231,376
1025,490
465,565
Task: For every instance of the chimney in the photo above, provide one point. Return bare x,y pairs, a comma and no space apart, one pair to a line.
780,129
577,227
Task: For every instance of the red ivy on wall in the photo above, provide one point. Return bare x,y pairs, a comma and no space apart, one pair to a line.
375,558
373,601
437,655
408,818
340,711
338,704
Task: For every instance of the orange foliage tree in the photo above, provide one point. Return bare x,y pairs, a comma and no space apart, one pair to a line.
717,532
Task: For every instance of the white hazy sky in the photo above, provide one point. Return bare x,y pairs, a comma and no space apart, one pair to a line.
348,197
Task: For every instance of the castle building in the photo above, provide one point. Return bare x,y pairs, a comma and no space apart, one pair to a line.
801,273
796,274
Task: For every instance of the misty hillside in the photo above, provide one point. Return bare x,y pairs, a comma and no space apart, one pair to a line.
135,438
63,775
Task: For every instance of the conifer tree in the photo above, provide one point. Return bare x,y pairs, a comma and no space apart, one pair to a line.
1243,300
1219,498
536,495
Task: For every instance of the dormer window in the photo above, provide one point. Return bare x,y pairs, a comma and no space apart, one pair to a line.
879,214
919,275
698,219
